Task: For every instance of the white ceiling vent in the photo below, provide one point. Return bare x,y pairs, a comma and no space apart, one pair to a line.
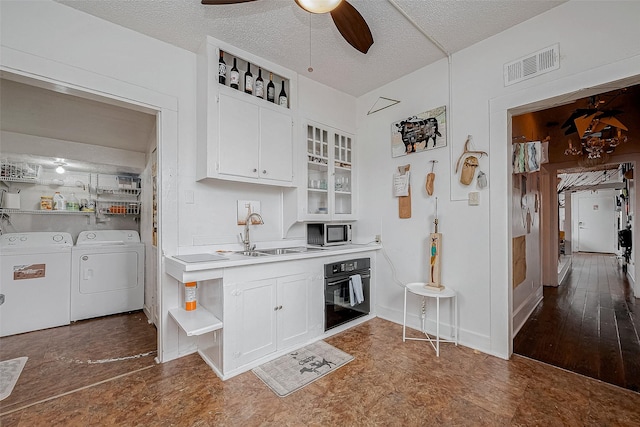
540,62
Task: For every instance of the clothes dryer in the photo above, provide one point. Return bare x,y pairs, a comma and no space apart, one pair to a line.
107,273
35,280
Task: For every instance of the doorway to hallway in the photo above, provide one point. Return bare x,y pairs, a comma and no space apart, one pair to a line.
589,325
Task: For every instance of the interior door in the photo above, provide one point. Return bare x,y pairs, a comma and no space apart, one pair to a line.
596,224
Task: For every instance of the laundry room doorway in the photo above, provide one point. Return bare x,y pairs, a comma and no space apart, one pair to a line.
109,148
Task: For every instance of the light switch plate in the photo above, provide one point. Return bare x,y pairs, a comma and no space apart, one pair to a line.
474,198
245,207
189,197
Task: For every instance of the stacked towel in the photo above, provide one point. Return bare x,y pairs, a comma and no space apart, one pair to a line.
355,290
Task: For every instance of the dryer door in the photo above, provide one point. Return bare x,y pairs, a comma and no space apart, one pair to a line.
105,272
106,282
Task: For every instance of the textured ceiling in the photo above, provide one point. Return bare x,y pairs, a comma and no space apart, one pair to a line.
281,32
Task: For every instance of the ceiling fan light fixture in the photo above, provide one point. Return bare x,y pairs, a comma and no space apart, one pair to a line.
318,6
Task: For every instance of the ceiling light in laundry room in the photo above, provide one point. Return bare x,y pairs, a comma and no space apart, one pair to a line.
60,163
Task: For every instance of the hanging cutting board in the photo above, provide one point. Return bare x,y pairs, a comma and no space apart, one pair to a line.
404,202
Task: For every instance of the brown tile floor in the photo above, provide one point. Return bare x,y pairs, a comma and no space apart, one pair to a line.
84,353
390,383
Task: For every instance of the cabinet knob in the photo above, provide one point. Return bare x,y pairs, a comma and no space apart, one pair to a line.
255,169
264,171
275,308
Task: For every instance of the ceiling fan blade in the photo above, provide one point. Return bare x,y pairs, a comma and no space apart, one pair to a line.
352,26
214,2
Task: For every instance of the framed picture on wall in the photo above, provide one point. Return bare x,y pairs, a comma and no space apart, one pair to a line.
424,131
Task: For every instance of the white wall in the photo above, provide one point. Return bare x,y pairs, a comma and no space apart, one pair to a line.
477,239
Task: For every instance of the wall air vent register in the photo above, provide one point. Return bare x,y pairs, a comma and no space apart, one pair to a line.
540,62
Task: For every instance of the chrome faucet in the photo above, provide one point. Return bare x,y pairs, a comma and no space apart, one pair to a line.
247,222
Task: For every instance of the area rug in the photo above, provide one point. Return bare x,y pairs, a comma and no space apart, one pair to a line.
10,371
299,368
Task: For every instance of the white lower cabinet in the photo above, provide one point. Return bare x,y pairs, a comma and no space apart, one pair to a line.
268,315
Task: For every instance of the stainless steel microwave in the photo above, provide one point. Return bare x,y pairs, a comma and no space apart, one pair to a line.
328,234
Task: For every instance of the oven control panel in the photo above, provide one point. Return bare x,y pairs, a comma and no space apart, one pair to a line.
348,266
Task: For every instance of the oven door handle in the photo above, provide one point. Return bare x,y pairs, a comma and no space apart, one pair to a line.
364,276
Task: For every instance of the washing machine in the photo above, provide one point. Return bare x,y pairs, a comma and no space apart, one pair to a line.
107,273
36,281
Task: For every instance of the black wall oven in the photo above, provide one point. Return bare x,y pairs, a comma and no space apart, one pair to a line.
346,297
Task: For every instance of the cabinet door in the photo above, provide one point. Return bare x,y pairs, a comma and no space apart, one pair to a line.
256,317
293,310
239,137
276,145
330,189
317,159
341,204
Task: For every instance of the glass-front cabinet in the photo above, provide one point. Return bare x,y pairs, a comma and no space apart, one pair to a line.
329,161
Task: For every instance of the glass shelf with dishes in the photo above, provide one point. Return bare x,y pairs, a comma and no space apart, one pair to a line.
342,146
329,173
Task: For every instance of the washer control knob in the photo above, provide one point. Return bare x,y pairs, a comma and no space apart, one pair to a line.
12,238
91,236
58,238
23,238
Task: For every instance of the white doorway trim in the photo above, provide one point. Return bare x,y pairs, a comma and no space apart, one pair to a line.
80,82
625,72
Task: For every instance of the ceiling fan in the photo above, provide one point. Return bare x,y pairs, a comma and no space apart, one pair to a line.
348,20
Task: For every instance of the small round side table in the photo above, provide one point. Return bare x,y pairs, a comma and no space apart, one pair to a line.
418,288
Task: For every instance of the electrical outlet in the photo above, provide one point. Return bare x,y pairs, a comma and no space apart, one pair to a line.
378,239
246,207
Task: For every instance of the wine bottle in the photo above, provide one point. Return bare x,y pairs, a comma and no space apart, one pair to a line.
222,69
234,76
259,86
282,98
271,89
248,80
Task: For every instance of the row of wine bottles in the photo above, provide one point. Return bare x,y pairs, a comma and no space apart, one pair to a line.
251,86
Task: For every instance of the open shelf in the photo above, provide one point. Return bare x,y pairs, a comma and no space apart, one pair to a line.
196,322
242,68
44,212
11,171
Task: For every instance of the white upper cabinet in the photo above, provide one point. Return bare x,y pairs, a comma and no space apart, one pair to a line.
329,193
243,137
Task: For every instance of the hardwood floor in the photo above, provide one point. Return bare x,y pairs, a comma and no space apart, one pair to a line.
588,325
389,383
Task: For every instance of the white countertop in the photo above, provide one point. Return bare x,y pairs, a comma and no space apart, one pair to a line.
191,271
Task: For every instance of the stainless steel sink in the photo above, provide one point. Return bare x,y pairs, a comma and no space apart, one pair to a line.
251,253
277,251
